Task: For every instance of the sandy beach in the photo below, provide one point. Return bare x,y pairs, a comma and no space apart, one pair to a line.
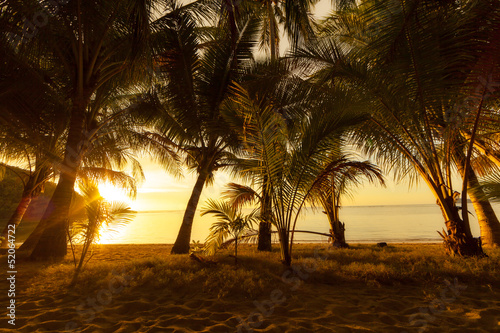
141,288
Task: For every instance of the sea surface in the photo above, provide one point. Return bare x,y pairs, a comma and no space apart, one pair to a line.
391,223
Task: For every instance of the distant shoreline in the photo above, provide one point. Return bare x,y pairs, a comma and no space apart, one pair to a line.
305,242
318,208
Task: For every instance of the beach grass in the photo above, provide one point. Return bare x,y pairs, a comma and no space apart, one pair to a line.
258,272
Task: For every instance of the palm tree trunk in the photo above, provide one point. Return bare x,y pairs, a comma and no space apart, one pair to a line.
16,217
264,240
236,250
272,32
488,221
32,190
29,244
52,242
181,245
338,228
338,234
286,258
458,239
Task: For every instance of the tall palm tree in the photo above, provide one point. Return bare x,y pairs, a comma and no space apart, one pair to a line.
293,154
194,76
273,83
32,123
295,18
335,183
110,144
86,44
395,55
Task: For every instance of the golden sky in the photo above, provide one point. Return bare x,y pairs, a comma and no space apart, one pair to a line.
161,191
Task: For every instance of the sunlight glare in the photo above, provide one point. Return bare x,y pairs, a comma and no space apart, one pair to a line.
110,235
112,193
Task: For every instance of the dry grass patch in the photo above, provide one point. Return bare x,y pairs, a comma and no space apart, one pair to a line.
259,273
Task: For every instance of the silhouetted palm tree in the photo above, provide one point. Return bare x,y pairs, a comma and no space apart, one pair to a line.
87,44
412,69
294,153
32,126
195,72
337,181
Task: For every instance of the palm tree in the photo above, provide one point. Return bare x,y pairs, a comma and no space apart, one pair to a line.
335,182
111,139
86,44
238,196
488,222
230,223
294,154
99,213
32,122
185,106
295,17
33,185
395,56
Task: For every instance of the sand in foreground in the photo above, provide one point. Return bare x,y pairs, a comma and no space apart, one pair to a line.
140,288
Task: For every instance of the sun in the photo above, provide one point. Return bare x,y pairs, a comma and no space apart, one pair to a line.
107,234
112,193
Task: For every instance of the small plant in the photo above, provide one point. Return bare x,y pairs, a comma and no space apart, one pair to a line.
230,223
99,213
196,247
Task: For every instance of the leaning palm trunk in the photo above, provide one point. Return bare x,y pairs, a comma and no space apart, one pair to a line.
16,217
29,244
32,189
181,245
488,221
52,242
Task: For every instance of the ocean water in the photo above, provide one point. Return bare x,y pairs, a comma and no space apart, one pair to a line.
391,223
